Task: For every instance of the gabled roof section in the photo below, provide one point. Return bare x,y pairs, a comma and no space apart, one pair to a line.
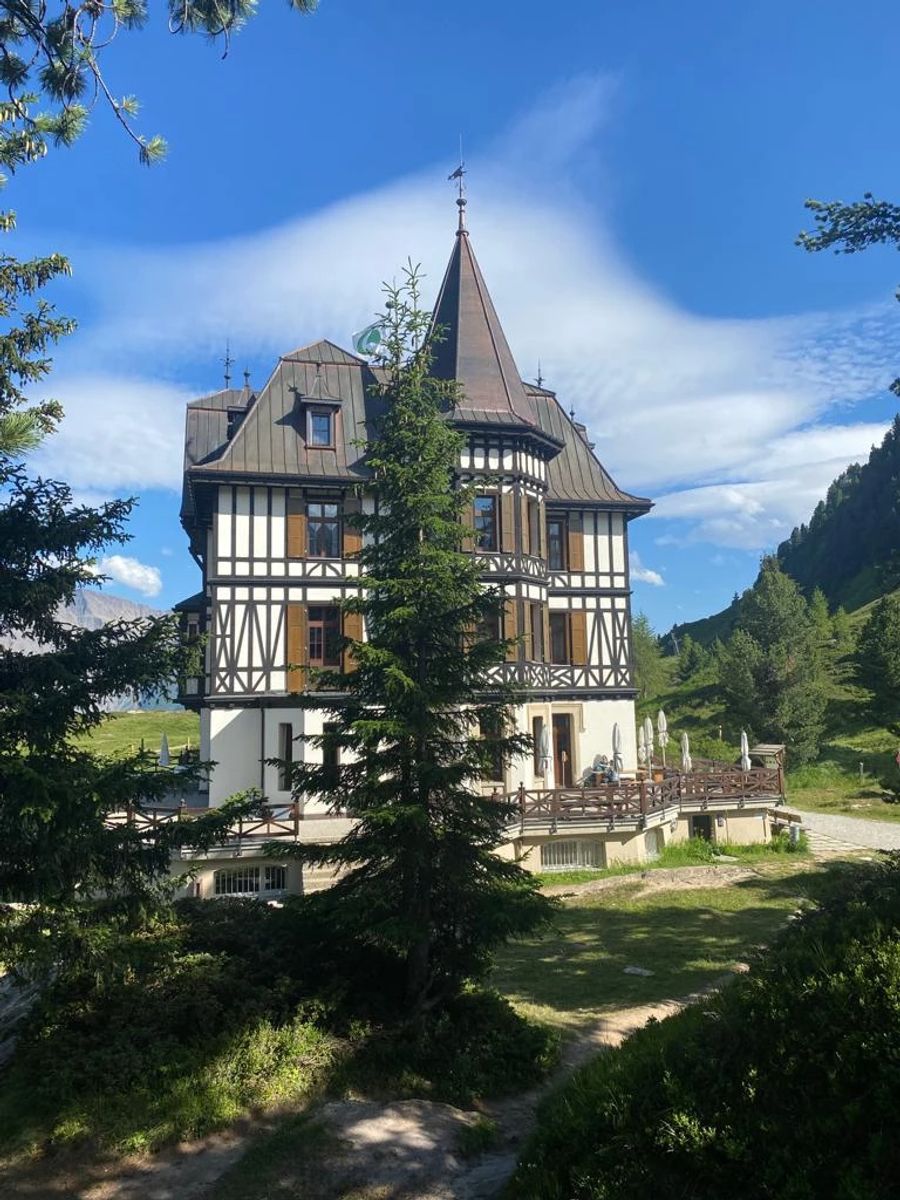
324,351
576,473
473,348
271,439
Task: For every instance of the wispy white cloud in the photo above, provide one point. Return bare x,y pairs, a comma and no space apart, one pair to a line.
729,420
643,574
131,573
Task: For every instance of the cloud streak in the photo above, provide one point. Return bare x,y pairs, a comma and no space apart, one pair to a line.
730,422
131,573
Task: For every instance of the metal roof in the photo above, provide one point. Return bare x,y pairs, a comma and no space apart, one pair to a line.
472,347
576,473
271,443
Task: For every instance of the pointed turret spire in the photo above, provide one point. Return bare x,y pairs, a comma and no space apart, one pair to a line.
474,349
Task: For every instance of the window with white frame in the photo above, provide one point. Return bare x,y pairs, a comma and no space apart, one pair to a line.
569,853
276,879
250,881
237,881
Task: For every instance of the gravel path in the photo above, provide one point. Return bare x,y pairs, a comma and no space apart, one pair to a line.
830,834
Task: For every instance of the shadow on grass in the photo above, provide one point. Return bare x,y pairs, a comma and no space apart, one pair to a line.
686,938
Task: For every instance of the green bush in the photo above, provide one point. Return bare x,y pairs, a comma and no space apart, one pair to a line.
785,1085
474,1046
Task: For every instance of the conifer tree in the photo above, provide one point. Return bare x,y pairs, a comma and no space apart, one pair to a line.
770,671
418,720
649,673
878,657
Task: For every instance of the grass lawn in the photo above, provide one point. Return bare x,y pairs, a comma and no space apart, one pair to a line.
122,733
686,937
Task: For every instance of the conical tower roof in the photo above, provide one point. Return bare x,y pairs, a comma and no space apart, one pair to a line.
473,348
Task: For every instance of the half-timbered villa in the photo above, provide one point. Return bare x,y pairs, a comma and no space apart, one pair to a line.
270,478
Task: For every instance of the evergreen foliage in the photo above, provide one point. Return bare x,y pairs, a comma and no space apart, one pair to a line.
53,52
417,722
771,671
56,847
692,659
878,657
851,546
647,658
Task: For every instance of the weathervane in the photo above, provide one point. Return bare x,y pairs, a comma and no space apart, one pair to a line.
540,377
460,176
229,363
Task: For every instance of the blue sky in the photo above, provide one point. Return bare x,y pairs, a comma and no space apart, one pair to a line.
637,175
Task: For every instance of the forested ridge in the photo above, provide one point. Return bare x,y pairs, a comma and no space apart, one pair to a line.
850,548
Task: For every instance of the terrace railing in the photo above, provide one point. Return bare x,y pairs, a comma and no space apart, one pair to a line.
633,800
628,801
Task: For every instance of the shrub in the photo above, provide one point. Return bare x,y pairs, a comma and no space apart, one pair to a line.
786,1084
474,1046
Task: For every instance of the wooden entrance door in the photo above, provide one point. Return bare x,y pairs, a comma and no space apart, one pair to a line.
562,749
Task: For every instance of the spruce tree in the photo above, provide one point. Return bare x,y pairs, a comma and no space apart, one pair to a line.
649,672
878,658
771,673
418,719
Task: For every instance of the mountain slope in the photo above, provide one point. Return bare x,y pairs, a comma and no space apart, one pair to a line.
851,546
92,609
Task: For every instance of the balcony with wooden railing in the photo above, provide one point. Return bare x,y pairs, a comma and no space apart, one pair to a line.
628,804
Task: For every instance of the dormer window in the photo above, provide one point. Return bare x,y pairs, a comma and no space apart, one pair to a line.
235,417
320,428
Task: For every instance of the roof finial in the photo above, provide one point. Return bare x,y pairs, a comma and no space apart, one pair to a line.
247,378
460,176
540,378
572,414
229,363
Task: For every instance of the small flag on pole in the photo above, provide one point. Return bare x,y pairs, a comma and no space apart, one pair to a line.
368,340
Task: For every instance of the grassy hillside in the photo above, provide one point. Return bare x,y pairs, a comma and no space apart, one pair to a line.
122,733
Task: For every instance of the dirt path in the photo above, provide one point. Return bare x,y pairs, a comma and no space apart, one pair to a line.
408,1150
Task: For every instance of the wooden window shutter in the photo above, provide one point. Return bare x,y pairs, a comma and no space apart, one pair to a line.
296,527
352,535
542,532
511,627
468,520
546,646
576,542
528,631
525,525
353,628
508,523
297,647
578,635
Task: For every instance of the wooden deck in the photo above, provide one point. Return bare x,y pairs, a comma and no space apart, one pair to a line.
634,802
630,803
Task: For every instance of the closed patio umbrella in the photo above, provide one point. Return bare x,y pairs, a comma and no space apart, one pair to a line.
618,763
745,751
648,740
686,761
641,746
544,750
662,728
164,751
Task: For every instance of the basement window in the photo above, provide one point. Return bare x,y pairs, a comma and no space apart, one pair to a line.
571,853
246,881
